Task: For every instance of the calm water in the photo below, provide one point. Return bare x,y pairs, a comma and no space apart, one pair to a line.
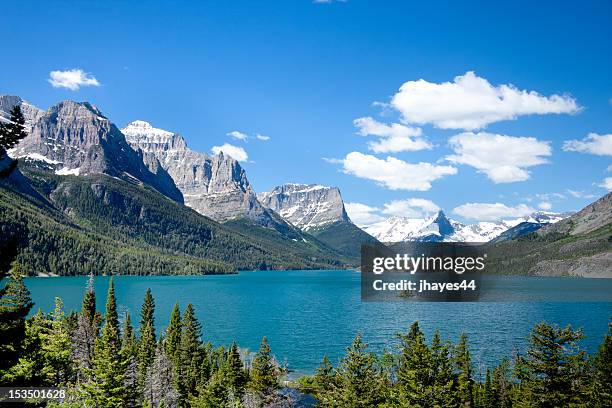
306,314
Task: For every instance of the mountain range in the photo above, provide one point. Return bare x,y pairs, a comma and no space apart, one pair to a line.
141,190
440,228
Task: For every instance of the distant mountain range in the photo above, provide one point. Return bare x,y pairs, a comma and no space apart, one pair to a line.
440,228
142,191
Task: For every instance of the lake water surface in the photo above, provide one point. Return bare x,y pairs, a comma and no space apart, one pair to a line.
306,314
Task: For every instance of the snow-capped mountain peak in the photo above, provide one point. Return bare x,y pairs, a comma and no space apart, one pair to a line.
439,227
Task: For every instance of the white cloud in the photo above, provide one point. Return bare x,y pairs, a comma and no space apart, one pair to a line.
545,205
491,212
362,214
393,173
471,102
236,152
600,145
394,137
237,135
580,194
503,159
609,168
410,207
72,79
606,183
263,138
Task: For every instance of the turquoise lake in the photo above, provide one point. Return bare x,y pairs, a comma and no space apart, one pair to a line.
306,314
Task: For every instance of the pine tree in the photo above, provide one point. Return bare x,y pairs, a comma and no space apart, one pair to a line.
325,378
173,334
86,332
264,374
129,350
414,377
360,383
465,382
106,387
602,381
193,364
13,131
235,375
55,346
443,380
554,368
147,343
15,304
501,384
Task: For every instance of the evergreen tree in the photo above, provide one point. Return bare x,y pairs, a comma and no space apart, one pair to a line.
13,131
15,304
235,375
415,374
360,385
173,333
325,378
56,348
602,381
194,366
213,394
86,332
147,343
465,382
159,385
129,352
502,385
443,380
106,387
264,374
553,370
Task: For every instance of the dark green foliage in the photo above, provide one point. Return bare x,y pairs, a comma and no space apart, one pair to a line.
465,380
264,376
101,225
552,373
602,373
107,385
193,364
147,343
13,131
15,304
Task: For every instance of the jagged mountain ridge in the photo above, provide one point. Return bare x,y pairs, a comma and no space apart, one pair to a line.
306,206
440,228
215,186
76,138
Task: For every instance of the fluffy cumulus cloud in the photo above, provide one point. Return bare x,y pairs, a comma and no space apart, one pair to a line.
410,207
235,134
471,102
393,138
362,214
491,212
504,159
236,152
393,173
600,145
606,183
263,138
72,79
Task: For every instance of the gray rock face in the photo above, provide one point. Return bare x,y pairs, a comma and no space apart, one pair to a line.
215,186
306,206
590,218
77,139
30,112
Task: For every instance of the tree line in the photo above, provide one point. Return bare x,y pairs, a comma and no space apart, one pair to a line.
103,360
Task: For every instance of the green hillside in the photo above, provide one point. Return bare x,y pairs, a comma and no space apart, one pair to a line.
344,237
70,225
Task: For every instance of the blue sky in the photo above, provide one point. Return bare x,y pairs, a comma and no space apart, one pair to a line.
301,73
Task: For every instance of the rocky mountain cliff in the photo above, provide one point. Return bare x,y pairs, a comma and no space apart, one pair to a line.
306,206
440,228
76,138
215,186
